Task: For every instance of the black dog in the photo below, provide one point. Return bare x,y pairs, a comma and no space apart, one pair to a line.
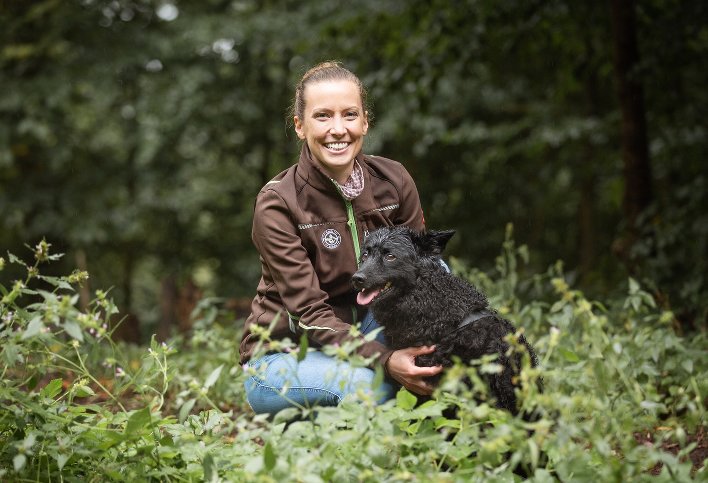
419,303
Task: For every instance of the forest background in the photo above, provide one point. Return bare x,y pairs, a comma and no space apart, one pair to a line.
134,135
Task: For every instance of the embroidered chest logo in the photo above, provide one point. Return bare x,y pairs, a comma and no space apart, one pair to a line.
331,238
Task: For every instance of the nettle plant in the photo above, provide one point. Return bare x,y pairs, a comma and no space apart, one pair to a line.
611,373
77,407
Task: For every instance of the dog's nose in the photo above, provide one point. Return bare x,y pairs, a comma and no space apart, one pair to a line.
358,280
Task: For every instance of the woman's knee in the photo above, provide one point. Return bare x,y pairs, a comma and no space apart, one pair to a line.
267,399
281,381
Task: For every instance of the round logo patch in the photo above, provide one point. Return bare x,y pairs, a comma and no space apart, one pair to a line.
331,238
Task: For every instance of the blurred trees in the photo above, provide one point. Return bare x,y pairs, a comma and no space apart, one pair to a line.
134,135
635,148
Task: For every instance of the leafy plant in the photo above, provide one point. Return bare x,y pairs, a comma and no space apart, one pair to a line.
77,407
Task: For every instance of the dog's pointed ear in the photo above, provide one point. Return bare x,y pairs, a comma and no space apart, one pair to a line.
433,242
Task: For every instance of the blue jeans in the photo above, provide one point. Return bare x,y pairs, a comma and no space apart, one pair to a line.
317,380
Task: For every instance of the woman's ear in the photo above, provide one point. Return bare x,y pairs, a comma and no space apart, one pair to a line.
366,122
298,127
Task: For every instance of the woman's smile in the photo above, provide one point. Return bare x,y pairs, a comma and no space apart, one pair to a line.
337,147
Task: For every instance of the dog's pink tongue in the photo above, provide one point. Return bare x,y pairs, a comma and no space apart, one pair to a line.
366,296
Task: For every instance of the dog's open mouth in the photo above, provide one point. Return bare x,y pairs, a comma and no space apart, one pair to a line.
367,295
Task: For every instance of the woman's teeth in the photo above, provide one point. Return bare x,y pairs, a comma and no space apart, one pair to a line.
336,146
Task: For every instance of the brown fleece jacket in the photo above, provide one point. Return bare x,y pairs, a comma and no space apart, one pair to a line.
308,236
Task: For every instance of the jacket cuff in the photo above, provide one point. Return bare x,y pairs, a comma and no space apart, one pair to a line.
383,360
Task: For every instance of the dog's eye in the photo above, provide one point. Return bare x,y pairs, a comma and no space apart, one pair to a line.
390,257
364,256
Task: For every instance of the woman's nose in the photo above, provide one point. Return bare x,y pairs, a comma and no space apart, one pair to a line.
337,126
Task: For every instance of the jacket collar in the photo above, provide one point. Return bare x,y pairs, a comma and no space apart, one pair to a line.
310,171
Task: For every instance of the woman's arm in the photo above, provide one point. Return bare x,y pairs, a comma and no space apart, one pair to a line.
278,242
410,212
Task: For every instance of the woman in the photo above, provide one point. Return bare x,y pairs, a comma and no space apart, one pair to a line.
309,222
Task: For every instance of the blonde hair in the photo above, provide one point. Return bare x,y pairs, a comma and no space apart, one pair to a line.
325,71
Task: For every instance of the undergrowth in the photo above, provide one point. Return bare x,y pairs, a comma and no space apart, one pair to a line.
75,406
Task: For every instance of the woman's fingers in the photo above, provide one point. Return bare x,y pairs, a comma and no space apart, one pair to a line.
419,351
427,371
401,366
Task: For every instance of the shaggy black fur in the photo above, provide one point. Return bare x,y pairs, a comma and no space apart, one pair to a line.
419,303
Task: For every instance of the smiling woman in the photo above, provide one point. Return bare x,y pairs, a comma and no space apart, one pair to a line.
308,226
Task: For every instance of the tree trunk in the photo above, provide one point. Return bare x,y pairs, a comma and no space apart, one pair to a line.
586,226
168,302
635,152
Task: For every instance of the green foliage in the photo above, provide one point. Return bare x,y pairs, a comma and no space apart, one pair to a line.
138,133
674,269
78,407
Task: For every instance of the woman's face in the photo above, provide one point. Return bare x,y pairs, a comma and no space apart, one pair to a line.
333,125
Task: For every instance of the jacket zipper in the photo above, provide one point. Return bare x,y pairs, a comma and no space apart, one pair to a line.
352,226
351,223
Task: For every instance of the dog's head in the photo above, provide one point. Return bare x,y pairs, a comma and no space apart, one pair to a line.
392,258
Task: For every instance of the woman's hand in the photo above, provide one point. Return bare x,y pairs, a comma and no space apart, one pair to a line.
401,366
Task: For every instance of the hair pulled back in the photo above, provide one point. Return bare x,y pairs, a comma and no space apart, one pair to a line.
325,71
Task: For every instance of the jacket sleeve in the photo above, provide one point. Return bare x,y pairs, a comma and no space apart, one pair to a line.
276,238
410,212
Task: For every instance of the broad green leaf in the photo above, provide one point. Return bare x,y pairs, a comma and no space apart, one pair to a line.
213,420
302,351
209,467
57,282
61,460
29,441
286,415
405,400
533,449
373,334
14,259
268,456
19,461
447,423
213,377
652,405
633,286
84,391
568,355
138,421
186,409
52,389
378,378
557,306
429,409
111,439
33,328
73,329
11,353
413,428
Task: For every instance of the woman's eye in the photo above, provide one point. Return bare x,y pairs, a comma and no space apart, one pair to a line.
321,115
390,257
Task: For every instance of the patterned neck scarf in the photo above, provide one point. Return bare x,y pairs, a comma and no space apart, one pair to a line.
355,183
